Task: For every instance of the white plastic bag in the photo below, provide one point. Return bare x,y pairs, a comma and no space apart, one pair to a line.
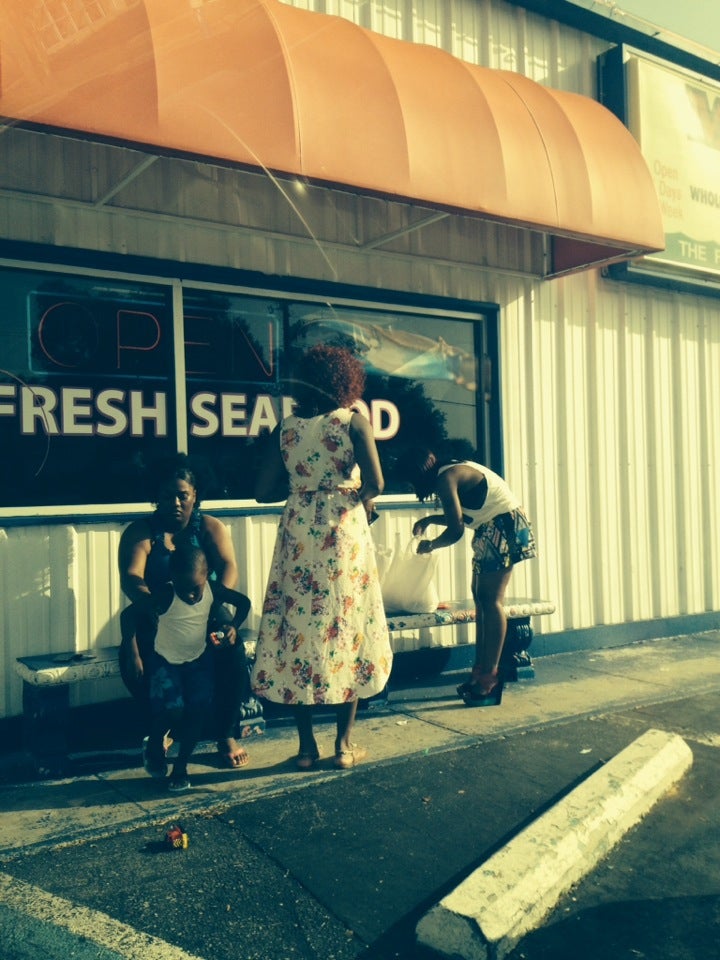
409,584
383,558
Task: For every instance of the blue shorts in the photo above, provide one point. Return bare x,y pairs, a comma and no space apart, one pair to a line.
501,542
174,686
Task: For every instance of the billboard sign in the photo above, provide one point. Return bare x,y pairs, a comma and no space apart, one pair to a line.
675,117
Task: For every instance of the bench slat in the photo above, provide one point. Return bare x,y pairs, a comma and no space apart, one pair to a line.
464,612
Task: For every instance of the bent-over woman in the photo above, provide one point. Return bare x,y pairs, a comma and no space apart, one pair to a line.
473,496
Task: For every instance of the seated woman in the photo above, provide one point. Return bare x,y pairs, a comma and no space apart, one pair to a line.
146,546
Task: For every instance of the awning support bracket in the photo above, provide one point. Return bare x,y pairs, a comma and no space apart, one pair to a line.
127,179
403,231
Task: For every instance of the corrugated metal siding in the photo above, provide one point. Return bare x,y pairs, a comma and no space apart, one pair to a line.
491,34
97,600
38,609
610,391
611,439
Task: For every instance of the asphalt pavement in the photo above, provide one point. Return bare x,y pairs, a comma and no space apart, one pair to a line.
329,865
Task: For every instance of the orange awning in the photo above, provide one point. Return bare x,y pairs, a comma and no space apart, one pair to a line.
265,85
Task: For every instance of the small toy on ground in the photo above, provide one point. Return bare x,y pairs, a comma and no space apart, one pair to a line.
176,838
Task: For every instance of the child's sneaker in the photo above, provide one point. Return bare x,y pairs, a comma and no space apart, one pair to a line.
179,784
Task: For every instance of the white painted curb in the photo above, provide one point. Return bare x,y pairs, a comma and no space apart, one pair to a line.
513,891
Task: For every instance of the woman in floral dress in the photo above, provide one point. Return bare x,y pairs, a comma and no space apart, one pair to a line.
323,637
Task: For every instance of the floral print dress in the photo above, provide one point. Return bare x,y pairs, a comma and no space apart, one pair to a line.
323,636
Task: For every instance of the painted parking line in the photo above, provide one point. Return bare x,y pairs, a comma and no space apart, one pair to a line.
37,925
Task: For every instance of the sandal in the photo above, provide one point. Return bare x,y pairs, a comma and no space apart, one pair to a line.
482,689
473,695
344,759
306,760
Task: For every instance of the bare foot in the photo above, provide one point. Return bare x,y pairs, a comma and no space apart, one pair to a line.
233,756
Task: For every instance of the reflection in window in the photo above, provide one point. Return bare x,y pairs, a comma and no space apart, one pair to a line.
231,338
422,379
232,360
85,388
424,366
60,22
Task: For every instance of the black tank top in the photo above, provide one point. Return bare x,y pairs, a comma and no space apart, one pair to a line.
157,568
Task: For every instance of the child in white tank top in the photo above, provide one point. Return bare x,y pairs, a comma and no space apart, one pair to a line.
181,665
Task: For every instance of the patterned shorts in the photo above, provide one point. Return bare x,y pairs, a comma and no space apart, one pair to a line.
501,542
174,686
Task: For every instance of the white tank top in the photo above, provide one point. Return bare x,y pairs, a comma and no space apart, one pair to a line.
182,630
500,498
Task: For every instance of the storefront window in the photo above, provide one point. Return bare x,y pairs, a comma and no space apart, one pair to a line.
86,368
422,374
89,383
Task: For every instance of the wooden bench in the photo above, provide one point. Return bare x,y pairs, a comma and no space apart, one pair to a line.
516,661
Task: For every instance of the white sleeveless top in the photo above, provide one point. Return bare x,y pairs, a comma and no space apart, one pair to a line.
500,498
182,630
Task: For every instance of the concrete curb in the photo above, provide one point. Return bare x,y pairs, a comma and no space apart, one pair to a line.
513,891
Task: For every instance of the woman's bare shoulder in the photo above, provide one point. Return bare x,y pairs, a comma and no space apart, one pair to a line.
211,526
138,530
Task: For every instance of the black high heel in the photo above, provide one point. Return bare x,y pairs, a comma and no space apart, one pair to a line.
493,698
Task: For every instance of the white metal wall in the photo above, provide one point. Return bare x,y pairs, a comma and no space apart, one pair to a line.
610,398
610,393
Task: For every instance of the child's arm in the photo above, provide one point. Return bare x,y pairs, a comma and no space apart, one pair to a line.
236,599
